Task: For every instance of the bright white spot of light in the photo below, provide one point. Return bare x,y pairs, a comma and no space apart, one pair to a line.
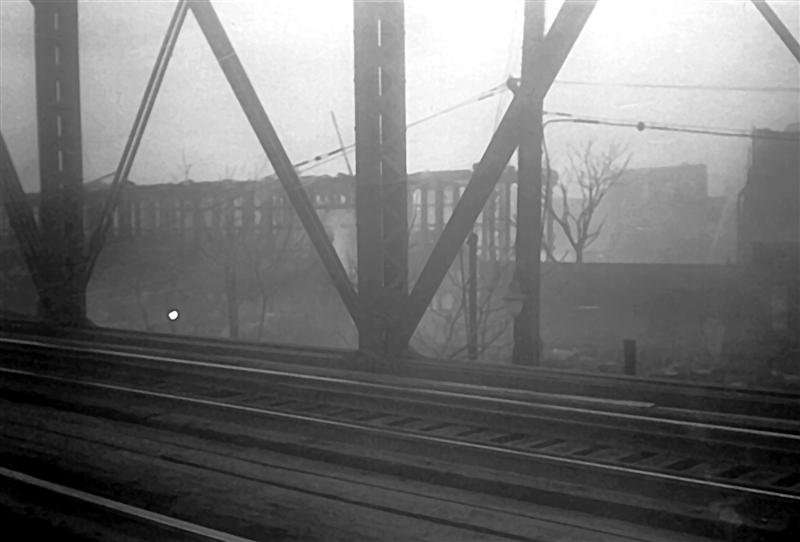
173,315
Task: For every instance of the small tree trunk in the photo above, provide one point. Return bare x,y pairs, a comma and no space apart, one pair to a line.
579,248
550,241
233,302
263,317
142,307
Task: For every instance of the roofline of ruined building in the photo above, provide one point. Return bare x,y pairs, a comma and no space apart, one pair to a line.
453,175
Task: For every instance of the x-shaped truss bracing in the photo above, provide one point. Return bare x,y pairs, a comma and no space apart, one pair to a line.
549,57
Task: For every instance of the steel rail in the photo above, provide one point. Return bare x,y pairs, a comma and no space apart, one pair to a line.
247,350
434,393
742,408
406,435
121,508
525,515
525,426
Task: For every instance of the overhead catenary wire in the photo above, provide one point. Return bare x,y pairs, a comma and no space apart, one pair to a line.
584,119
667,86
322,158
672,127
560,116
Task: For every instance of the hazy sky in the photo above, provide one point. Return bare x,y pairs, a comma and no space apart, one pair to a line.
299,55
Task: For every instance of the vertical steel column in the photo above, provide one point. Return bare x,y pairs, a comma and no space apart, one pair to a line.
529,195
381,191
60,160
368,189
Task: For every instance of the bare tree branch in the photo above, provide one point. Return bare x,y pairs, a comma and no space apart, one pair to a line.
594,173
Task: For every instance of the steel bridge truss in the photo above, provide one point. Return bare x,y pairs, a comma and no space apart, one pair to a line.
386,313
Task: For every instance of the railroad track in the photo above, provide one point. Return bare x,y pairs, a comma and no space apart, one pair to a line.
621,458
674,398
160,472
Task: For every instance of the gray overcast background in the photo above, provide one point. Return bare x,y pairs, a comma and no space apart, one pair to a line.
299,55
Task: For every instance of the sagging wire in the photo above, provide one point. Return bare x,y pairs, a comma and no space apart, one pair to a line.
323,158
667,86
669,127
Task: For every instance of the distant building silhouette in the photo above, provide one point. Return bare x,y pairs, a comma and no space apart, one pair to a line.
655,215
769,204
187,208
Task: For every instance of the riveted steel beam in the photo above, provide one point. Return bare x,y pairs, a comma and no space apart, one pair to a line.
60,160
381,191
369,212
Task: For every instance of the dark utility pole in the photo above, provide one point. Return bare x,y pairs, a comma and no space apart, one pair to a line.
63,298
472,297
529,194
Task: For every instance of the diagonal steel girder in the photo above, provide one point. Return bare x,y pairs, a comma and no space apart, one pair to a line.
98,238
777,25
21,217
240,83
563,33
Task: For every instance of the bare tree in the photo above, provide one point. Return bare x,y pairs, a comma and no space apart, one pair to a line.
266,257
595,173
444,333
278,256
186,168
